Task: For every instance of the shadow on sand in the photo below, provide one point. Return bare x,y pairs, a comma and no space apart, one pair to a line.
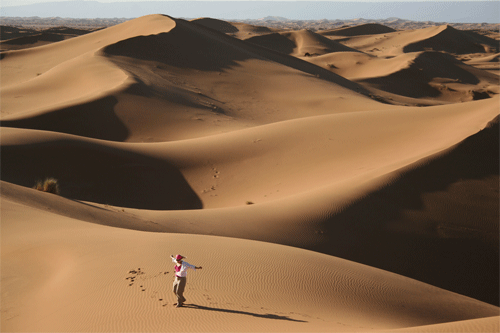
267,315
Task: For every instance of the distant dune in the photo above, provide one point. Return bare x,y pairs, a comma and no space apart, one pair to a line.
448,39
362,29
299,43
15,38
342,181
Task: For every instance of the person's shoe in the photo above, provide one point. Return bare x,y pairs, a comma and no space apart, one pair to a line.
178,305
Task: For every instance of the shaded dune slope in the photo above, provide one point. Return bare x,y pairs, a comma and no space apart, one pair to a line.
78,210
431,214
185,46
7,32
275,41
32,40
99,173
235,29
17,39
299,43
362,29
491,324
70,120
218,25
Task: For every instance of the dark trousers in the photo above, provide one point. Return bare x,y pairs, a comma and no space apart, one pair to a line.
179,285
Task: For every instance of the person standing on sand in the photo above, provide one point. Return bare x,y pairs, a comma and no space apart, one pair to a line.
180,278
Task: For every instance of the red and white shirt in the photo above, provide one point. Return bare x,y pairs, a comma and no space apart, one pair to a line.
181,270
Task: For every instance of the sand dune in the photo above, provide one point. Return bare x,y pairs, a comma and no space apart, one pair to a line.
15,68
435,75
31,41
299,43
451,40
235,29
178,87
63,281
224,182
285,146
440,38
489,62
362,29
313,196
388,61
17,39
477,325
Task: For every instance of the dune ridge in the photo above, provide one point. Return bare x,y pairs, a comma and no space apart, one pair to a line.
332,198
439,38
299,43
362,29
235,29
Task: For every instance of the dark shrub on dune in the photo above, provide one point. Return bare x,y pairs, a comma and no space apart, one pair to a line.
49,185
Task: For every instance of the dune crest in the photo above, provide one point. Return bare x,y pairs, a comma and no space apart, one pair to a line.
299,43
362,29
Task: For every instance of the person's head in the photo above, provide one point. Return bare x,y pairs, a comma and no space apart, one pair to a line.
179,258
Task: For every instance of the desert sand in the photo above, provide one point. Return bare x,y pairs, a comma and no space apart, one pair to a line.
337,182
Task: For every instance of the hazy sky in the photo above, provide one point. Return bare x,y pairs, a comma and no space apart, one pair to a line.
27,2
462,11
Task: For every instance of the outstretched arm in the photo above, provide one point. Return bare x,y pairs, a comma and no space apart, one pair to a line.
188,265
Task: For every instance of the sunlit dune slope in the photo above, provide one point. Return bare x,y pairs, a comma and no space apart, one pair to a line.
489,62
191,80
24,65
75,279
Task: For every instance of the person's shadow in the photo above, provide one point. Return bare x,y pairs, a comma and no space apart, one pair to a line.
267,315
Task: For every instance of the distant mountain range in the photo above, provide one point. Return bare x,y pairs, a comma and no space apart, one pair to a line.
273,18
443,11
10,25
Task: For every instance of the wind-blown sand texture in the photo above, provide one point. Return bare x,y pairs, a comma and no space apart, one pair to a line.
315,190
